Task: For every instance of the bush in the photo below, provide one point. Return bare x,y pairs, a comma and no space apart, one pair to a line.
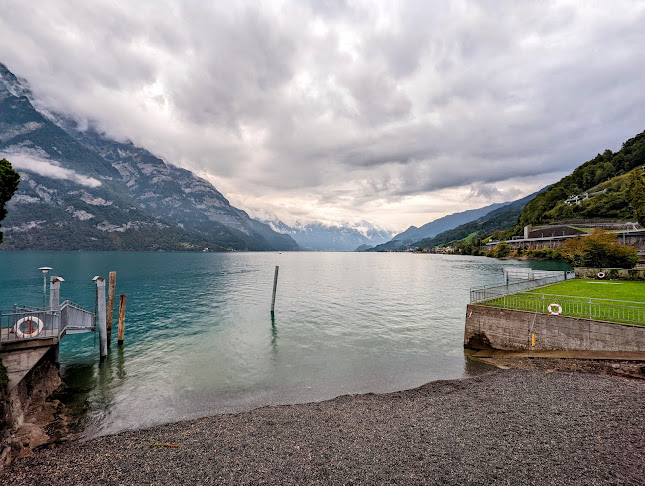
544,254
503,249
599,250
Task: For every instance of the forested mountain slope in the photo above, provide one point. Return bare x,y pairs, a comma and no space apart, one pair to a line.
497,220
604,172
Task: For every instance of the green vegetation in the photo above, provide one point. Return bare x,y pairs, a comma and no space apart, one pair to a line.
583,298
502,250
598,250
9,180
602,172
637,195
500,219
597,289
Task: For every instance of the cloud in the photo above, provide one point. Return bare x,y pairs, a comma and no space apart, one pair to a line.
351,110
47,168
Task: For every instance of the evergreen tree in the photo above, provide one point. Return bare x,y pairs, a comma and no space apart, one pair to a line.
9,180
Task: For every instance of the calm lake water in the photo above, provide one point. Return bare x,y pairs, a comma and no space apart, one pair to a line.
200,339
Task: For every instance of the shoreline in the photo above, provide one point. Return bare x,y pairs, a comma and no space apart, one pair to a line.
536,426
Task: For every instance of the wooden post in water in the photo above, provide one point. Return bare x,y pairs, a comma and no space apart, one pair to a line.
121,329
110,306
275,286
101,315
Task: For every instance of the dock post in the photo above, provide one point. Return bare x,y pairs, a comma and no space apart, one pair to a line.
54,304
100,295
275,286
121,329
110,306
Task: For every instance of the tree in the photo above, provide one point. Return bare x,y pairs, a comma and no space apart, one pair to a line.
599,250
637,195
503,249
9,180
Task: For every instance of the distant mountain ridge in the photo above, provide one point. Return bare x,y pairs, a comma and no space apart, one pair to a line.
497,220
81,190
445,223
500,218
343,237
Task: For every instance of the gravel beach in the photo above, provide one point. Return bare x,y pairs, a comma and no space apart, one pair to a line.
505,427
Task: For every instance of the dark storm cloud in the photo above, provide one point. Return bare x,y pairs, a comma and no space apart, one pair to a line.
346,103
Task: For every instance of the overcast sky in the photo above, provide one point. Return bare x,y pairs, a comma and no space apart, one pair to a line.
392,112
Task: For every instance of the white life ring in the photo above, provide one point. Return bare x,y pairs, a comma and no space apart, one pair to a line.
601,274
33,331
555,309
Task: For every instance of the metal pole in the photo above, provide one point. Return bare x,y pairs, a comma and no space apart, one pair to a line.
101,315
45,271
275,286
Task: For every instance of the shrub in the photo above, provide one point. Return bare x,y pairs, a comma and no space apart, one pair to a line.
599,250
502,249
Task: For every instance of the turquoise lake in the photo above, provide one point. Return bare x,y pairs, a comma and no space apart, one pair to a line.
200,340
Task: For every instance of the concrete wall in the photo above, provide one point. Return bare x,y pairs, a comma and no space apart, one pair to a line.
611,273
511,330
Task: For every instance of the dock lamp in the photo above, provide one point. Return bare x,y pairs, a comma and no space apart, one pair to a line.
45,271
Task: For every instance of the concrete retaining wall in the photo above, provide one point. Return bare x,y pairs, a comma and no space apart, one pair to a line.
611,273
511,330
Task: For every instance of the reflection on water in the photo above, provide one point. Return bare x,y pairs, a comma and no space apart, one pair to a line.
200,338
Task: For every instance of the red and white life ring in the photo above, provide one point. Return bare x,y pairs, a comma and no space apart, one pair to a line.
31,330
555,309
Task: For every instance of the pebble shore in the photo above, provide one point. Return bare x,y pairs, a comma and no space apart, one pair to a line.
506,427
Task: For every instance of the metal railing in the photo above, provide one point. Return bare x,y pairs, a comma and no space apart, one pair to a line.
24,323
27,323
75,318
582,307
493,291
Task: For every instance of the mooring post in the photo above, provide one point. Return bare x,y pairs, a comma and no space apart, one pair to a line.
121,329
110,306
275,286
100,310
54,304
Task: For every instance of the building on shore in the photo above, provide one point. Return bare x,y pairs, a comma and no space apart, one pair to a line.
552,236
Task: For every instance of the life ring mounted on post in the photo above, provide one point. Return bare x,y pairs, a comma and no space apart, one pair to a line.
555,309
32,327
601,274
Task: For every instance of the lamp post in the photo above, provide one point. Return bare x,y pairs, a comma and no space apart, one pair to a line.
45,271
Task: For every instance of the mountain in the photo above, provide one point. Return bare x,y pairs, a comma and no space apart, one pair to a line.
81,190
503,217
497,220
445,223
599,183
321,237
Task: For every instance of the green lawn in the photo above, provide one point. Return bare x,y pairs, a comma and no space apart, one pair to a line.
589,299
597,289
